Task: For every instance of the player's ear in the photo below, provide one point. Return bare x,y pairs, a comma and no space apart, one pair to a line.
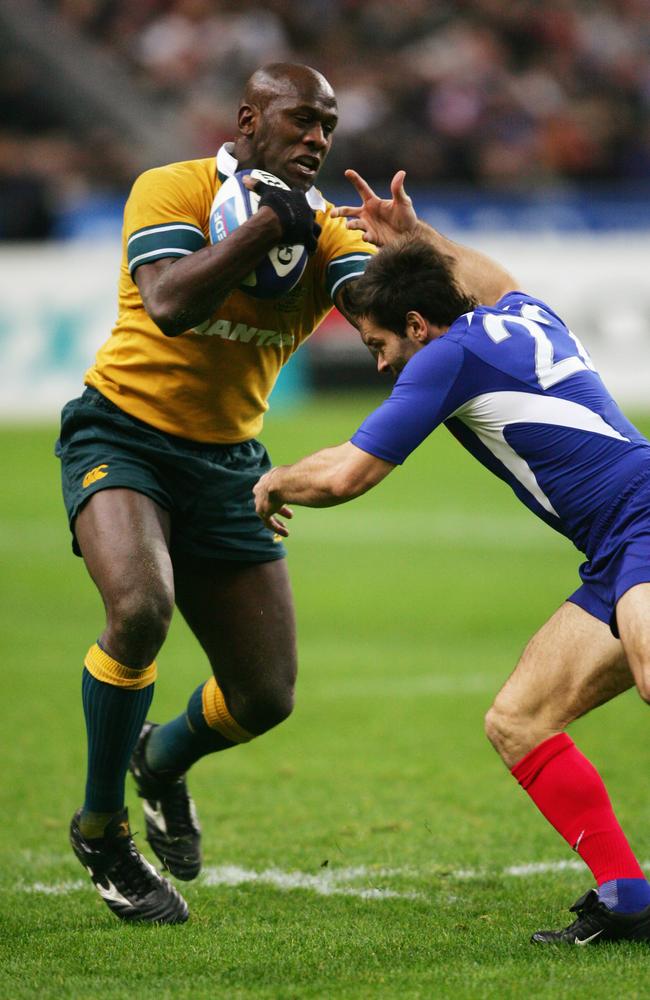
416,327
247,119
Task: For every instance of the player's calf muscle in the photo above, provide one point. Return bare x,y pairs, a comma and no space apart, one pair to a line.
262,707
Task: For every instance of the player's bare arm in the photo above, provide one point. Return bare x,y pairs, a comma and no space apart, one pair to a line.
327,478
384,220
179,293
483,278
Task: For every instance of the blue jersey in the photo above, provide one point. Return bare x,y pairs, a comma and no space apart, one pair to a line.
520,392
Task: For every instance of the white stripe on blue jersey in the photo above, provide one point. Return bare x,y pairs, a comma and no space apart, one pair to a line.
520,392
489,415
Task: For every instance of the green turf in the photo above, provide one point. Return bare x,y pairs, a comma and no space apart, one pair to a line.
413,604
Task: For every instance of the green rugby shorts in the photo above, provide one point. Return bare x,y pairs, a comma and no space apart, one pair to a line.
206,488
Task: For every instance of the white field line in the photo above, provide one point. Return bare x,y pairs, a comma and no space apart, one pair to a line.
328,882
520,871
55,888
336,882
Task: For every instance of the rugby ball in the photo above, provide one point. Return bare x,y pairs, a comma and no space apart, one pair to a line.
233,204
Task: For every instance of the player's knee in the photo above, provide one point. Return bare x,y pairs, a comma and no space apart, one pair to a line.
495,729
514,729
139,622
505,728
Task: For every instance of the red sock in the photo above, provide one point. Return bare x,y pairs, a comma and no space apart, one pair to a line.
570,793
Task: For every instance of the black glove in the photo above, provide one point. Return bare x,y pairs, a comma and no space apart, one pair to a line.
297,219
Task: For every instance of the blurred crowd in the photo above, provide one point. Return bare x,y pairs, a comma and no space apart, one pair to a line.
484,93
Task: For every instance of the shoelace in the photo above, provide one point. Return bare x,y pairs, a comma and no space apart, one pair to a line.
584,920
177,806
131,867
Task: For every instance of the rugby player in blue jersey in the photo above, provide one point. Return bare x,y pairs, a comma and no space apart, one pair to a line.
503,372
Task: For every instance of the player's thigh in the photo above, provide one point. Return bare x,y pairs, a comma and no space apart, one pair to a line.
633,620
124,540
570,666
242,614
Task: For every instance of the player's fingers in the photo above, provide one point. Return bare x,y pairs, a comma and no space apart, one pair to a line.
356,224
365,234
344,211
276,525
363,188
397,188
286,511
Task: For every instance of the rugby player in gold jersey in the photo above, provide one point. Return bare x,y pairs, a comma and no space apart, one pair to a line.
159,456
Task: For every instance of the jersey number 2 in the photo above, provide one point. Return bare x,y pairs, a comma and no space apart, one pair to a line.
533,320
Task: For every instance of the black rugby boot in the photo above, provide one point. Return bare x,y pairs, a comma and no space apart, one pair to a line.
173,829
128,884
595,923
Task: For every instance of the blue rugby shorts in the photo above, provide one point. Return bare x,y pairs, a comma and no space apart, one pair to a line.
621,554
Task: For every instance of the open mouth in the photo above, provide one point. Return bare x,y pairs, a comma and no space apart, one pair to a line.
306,166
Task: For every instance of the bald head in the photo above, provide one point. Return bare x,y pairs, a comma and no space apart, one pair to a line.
280,80
286,120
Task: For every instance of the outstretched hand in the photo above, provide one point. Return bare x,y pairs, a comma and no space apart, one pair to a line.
381,220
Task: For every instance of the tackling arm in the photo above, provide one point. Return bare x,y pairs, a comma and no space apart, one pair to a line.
324,479
384,220
482,278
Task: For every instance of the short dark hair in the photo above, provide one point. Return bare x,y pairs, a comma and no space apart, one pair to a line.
409,274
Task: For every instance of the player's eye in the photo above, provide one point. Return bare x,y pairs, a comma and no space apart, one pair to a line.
307,121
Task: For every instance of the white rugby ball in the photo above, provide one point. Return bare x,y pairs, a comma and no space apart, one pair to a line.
233,204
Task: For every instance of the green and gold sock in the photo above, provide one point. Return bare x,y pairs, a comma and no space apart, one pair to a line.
205,727
116,700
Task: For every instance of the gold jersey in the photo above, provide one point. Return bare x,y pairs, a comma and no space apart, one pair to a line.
210,383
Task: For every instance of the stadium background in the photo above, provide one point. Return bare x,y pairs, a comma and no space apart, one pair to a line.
525,130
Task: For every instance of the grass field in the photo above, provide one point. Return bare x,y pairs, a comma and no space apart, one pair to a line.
373,846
